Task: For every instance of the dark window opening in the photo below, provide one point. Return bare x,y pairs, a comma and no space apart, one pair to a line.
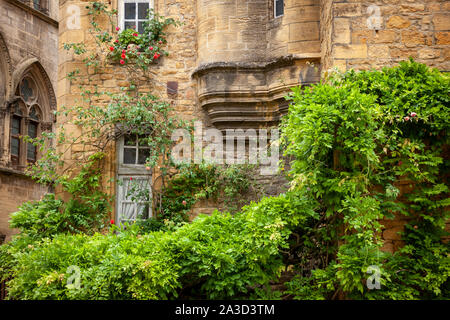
279,8
31,148
16,130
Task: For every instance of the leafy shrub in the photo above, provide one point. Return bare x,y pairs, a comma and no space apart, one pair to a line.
217,256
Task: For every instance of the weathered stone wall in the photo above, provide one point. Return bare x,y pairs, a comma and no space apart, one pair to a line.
234,61
177,67
248,31
28,43
29,33
387,32
297,31
14,190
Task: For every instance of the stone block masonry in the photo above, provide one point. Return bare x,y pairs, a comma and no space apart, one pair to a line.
363,35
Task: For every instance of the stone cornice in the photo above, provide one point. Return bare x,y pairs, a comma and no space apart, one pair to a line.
251,94
286,60
13,171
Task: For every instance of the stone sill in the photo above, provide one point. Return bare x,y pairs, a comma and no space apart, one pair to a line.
13,171
34,12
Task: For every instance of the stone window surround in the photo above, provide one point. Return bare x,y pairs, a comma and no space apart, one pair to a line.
12,78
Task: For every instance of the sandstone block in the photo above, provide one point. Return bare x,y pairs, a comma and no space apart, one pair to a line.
341,30
304,31
441,21
347,9
352,51
378,51
429,53
442,37
398,22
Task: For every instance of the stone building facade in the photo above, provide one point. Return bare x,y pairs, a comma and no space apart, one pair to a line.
28,70
233,61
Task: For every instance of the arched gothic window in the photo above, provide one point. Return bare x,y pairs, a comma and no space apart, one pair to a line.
26,118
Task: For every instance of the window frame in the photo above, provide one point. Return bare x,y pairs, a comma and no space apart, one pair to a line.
121,11
121,153
16,159
275,9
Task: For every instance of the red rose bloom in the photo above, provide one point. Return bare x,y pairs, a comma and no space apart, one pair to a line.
111,48
135,34
123,56
117,28
122,62
151,48
112,221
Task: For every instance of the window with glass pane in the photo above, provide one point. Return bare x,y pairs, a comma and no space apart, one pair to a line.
135,13
31,149
279,8
26,90
134,151
15,147
16,128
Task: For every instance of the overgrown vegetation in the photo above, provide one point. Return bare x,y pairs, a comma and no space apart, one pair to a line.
352,138
217,256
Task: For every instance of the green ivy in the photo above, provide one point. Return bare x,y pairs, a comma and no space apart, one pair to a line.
353,137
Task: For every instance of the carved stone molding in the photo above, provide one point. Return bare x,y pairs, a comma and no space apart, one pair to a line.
46,126
5,60
251,95
33,65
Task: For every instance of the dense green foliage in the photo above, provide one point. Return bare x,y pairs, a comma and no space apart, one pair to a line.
85,211
217,256
354,137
